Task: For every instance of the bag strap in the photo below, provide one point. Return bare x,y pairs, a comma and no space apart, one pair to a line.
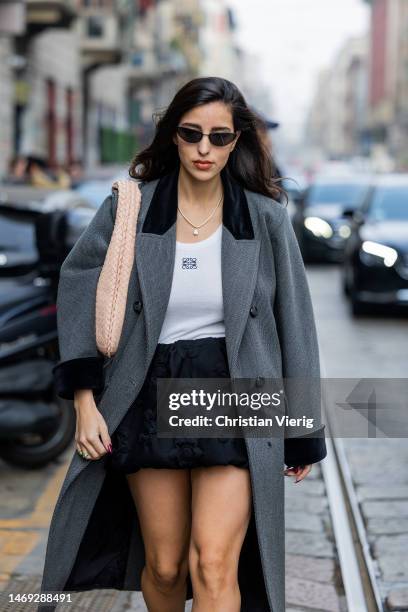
112,288
128,194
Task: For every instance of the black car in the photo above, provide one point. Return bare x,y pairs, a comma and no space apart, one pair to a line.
375,269
322,217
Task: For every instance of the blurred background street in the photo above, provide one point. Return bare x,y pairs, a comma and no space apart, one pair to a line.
80,83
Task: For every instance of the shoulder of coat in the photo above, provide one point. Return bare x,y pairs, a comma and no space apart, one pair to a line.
111,199
267,207
111,202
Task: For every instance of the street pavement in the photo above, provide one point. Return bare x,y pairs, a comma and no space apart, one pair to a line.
371,347
366,347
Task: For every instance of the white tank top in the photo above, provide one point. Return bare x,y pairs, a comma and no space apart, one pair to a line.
195,308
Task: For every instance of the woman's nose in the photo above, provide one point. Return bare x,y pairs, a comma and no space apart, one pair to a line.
204,145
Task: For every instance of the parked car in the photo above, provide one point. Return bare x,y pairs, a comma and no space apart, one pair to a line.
322,217
375,269
18,252
20,207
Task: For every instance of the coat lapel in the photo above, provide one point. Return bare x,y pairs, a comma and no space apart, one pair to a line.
155,258
239,272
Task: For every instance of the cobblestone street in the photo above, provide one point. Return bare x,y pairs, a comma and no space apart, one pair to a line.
368,348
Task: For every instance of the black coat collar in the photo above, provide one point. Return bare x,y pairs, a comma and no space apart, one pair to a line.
162,212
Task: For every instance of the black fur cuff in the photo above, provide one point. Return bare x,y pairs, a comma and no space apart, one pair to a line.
305,450
81,373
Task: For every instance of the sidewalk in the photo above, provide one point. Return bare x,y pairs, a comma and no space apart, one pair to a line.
311,562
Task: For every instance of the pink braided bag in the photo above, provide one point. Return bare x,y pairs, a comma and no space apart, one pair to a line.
113,282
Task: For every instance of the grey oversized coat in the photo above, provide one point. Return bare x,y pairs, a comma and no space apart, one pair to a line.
94,539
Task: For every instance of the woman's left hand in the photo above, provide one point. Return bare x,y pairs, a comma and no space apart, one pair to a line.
300,472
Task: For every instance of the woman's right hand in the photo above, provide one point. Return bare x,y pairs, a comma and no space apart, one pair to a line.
91,435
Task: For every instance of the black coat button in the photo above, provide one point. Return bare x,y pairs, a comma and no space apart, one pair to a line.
137,306
253,311
259,381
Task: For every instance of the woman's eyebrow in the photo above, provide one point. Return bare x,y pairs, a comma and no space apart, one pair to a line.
196,125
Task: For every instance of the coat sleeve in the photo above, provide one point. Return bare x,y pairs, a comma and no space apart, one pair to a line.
297,333
81,364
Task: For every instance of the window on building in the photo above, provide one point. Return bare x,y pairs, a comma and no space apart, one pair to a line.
95,26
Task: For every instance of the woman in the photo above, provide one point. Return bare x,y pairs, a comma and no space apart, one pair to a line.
194,517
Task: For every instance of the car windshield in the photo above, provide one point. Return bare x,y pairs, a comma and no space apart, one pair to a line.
389,203
94,191
348,194
16,234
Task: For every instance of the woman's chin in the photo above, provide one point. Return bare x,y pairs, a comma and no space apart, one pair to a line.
201,175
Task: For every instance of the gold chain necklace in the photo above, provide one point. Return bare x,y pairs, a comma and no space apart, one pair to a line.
197,227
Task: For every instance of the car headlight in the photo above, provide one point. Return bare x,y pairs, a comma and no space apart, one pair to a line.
319,227
380,252
344,231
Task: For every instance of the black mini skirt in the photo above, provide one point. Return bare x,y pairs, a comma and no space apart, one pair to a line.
135,443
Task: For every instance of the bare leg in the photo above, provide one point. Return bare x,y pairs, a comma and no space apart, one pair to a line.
163,503
221,510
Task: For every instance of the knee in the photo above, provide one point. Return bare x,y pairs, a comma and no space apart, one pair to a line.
211,567
167,575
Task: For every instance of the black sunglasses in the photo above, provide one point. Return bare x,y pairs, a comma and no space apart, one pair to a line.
218,139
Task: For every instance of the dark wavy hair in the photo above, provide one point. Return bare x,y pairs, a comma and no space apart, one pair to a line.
250,163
